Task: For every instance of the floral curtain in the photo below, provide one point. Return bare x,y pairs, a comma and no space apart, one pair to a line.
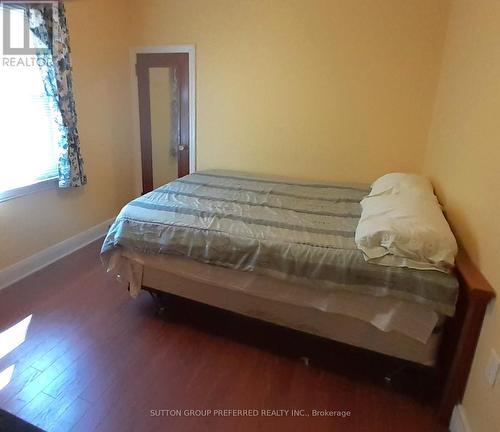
47,21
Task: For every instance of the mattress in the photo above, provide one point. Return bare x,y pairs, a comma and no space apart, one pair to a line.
413,320
334,326
298,232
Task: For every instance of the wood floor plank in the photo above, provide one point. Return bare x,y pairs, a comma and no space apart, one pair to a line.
31,411
30,391
19,380
67,419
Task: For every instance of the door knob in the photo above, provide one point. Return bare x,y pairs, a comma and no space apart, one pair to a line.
181,147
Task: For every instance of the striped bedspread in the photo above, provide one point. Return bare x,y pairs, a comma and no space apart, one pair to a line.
296,231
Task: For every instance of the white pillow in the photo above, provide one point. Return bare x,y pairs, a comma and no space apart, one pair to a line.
394,183
406,229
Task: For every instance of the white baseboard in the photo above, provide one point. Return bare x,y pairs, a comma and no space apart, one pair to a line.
459,421
41,259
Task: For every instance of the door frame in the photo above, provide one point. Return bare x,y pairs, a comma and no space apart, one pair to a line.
190,50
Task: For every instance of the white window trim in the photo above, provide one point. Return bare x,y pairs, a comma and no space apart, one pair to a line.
46,184
191,51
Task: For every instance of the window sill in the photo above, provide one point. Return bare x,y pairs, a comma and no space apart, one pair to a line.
51,183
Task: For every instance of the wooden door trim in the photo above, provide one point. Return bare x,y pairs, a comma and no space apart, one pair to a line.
145,62
167,49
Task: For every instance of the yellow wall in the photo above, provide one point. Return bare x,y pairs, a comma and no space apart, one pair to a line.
325,89
463,159
102,92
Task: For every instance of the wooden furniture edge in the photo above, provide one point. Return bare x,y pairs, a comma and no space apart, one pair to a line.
462,334
472,277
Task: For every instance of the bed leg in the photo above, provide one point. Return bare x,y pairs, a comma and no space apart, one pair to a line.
160,303
389,376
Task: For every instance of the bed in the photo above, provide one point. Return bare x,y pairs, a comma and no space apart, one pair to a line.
283,251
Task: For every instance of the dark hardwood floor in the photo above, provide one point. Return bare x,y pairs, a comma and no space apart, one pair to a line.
94,359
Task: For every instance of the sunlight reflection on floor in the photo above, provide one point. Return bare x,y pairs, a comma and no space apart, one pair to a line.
14,336
6,376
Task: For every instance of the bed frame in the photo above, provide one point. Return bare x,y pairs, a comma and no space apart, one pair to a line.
460,337
462,334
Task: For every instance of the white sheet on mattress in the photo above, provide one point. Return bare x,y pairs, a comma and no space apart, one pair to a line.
411,319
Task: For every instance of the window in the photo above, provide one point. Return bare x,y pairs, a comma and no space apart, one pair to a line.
29,134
